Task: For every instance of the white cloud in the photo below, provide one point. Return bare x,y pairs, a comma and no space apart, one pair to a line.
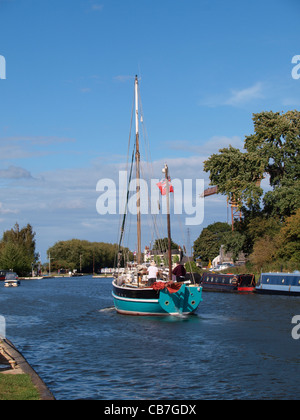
6,211
67,204
236,97
242,96
207,148
24,147
61,204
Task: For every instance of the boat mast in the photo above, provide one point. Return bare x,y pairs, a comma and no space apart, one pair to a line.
166,171
138,187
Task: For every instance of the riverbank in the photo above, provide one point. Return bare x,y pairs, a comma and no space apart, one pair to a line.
18,380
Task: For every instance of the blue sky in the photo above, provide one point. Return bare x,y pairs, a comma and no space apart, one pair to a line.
65,106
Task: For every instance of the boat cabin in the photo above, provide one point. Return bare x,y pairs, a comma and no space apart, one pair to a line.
279,283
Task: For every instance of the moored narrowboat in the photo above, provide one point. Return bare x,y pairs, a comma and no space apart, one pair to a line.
279,284
218,282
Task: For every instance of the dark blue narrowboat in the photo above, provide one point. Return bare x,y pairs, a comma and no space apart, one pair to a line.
218,282
279,284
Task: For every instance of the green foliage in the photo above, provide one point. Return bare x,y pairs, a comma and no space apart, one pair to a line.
288,240
191,267
236,175
208,244
157,259
273,151
277,140
234,243
14,258
17,250
83,255
268,234
264,252
175,259
162,245
283,200
254,226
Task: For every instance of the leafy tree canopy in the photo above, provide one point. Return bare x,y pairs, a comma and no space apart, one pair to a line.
83,255
236,175
272,151
17,250
162,245
282,249
208,244
288,240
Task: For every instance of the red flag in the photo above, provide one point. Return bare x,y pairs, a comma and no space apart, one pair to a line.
162,185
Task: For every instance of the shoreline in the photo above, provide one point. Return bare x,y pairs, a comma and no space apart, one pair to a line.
17,364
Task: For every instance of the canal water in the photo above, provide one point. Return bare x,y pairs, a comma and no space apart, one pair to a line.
235,347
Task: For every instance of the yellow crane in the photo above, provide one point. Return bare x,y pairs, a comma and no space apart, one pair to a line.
236,213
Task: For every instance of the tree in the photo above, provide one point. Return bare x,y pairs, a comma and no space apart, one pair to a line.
280,250
269,229
277,140
162,244
208,244
234,243
256,225
273,151
288,240
84,256
283,200
13,258
17,249
236,175
264,252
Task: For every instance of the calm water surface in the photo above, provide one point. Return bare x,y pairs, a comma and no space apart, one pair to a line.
235,347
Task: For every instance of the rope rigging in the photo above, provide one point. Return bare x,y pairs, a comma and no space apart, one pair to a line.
155,221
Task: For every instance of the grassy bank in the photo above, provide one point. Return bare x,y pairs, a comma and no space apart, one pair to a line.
17,387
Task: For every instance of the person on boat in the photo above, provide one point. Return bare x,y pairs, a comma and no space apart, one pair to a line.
152,274
180,272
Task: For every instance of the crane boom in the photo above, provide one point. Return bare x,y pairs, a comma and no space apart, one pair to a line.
210,191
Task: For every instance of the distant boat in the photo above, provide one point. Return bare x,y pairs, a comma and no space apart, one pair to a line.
279,284
217,282
3,274
130,292
11,280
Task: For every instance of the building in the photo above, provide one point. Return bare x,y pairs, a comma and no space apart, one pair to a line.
226,257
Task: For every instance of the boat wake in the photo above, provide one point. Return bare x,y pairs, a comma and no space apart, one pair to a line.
109,309
181,316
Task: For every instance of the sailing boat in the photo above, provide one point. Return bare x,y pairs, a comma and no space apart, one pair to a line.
131,294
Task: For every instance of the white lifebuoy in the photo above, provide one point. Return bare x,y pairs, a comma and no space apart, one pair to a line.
234,280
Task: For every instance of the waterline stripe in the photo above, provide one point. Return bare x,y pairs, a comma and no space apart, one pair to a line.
135,300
